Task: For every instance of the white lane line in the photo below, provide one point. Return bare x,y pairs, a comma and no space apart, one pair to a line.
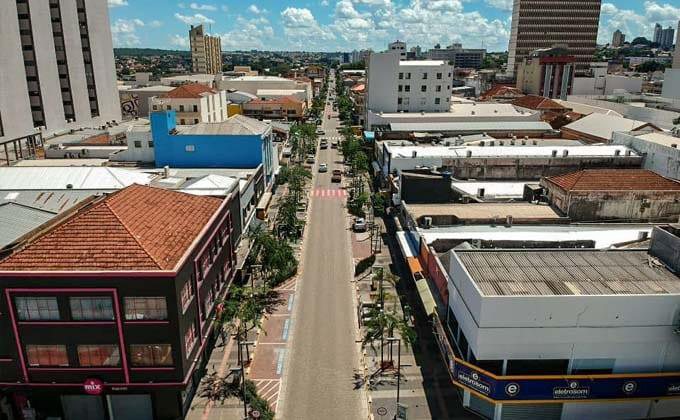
286,329
279,362
291,299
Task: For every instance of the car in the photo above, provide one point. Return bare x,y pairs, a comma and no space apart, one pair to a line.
324,146
337,175
323,167
359,225
310,159
334,145
320,132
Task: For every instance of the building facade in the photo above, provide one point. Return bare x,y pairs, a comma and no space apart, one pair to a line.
618,38
458,56
57,68
206,51
395,85
253,84
538,24
281,108
547,72
193,103
121,331
398,46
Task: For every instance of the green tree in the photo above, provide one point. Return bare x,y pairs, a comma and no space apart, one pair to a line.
275,256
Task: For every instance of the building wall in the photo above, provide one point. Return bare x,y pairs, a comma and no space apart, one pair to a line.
211,108
143,153
253,85
209,151
15,108
671,82
659,117
659,158
613,205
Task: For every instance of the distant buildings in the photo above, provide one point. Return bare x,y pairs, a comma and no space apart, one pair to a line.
457,55
57,68
618,38
544,24
398,46
663,37
396,85
193,103
547,72
206,51
255,84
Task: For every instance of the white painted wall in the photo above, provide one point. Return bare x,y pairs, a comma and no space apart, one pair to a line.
211,108
144,153
659,158
671,81
659,117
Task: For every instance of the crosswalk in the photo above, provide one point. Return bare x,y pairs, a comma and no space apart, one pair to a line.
332,138
329,193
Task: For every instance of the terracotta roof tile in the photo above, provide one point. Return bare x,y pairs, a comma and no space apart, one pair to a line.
138,228
189,91
538,103
501,91
614,180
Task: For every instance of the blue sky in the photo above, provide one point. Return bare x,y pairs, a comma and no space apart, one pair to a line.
344,25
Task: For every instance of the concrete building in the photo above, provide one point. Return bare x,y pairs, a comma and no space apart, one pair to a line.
193,103
57,67
253,84
625,195
183,79
504,162
238,142
399,47
666,37
544,24
134,101
538,333
458,56
277,108
607,84
599,128
671,83
395,85
547,72
206,51
618,39
660,150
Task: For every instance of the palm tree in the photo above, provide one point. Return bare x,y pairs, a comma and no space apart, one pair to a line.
382,324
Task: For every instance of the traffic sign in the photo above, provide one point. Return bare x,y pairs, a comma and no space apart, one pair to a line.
255,414
382,411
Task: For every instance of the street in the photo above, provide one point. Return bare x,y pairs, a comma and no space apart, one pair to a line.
318,379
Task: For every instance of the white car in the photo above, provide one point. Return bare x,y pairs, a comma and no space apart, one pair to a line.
360,225
323,167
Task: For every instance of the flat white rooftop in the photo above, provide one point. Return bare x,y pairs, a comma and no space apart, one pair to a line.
406,152
492,189
418,63
604,235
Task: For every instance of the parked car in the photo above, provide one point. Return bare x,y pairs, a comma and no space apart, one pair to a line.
337,175
360,225
320,132
324,144
310,159
323,167
334,145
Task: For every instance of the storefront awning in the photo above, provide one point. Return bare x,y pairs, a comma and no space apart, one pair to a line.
426,297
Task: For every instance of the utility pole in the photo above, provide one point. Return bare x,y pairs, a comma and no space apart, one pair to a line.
398,340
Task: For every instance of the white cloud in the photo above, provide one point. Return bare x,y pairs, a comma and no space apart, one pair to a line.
256,10
204,7
195,19
155,24
256,33
179,41
117,3
501,4
633,23
303,31
124,32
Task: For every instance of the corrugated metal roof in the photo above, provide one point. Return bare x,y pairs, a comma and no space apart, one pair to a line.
567,272
234,125
473,126
406,152
79,178
52,201
17,220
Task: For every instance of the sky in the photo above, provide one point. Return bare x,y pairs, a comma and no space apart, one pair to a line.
345,25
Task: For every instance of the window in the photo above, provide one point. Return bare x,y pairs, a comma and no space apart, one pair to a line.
439,88
195,120
91,308
437,101
408,76
399,101
189,338
401,88
46,355
98,355
37,308
439,76
186,294
150,143
423,88
208,301
204,266
168,107
144,308
196,110
401,76
424,76
406,101
155,107
182,121
407,88
181,108
449,74
138,144
151,354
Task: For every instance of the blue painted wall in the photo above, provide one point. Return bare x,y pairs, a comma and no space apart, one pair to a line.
209,151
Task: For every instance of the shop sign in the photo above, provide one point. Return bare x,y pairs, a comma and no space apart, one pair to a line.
93,386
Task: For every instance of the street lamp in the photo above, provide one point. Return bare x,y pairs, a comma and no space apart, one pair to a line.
242,370
398,340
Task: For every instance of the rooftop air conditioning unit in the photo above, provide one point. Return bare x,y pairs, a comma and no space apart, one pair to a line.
427,222
617,152
480,192
476,243
565,153
492,143
469,153
629,152
554,153
482,143
508,220
414,154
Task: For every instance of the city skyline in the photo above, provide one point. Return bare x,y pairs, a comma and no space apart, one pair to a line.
345,25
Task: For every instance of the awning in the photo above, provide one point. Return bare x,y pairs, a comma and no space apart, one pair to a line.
376,168
426,297
369,135
414,265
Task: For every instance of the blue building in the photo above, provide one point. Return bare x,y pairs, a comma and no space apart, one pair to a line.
238,142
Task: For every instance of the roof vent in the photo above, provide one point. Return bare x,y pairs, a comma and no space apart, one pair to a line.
414,154
469,153
629,152
480,192
565,153
674,146
69,186
617,152
554,153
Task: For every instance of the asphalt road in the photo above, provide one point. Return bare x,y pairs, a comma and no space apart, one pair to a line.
323,354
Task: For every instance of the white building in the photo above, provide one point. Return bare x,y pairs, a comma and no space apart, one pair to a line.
539,335
57,67
660,150
394,85
193,103
398,46
252,84
671,82
606,85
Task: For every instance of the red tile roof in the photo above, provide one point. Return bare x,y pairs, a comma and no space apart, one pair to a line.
358,88
138,228
501,91
614,180
281,101
539,103
189,91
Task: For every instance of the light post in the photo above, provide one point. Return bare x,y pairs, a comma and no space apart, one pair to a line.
398,340
242,370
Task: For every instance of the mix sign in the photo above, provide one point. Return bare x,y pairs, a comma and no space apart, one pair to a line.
566,388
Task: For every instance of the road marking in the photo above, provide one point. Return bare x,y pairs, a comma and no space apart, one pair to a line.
286,328
280,359
291,299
